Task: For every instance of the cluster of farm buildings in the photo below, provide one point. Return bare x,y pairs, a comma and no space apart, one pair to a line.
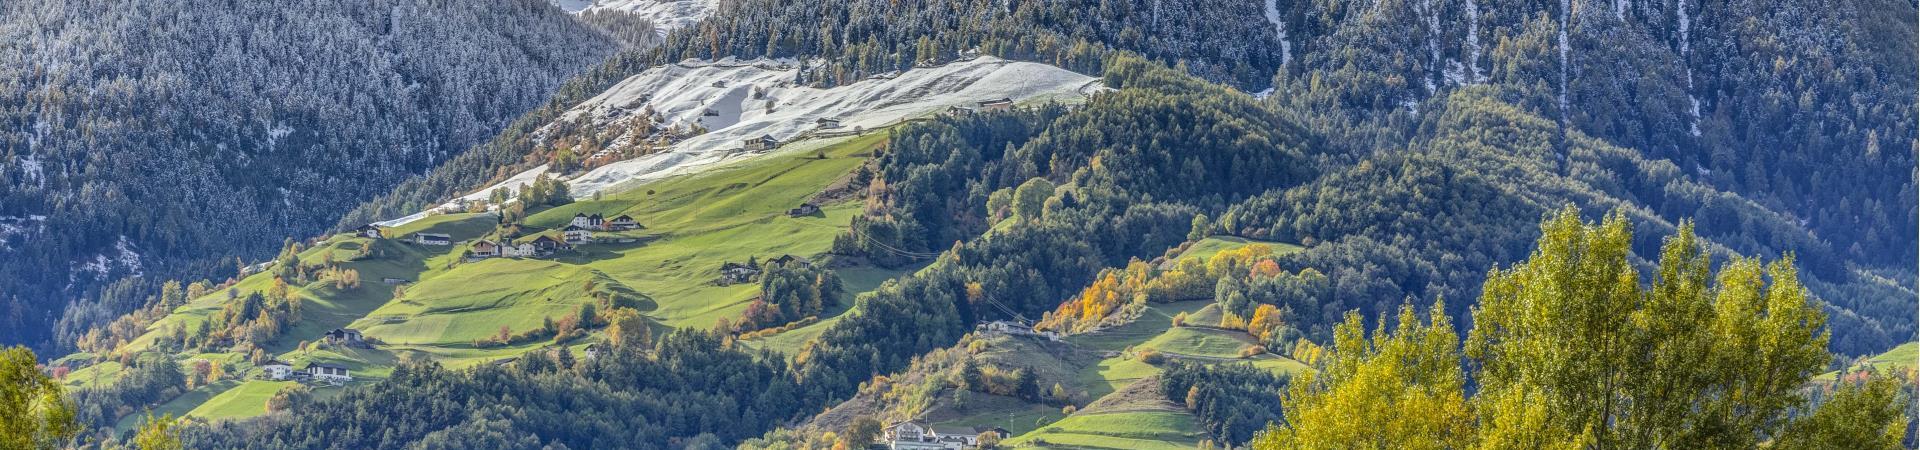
317,371
581,230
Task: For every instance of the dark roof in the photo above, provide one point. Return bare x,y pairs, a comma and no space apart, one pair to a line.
996,101
576,227
623,217
546,237
579,214
595,216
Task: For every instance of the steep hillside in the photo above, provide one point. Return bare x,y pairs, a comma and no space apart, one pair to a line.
166,138
1795,105
723,205
431,303
1197,245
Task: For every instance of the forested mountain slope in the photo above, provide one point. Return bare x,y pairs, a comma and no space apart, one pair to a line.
1805,107
1398,151
168,138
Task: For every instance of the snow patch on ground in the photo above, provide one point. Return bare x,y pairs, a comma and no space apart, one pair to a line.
739,92
276,133
11,226
1685,26
102,265
1473,42
1280,26
1566,14
33,170
128,257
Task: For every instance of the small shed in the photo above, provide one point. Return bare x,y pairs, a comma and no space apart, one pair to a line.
805,209
998,104
433,239
763,143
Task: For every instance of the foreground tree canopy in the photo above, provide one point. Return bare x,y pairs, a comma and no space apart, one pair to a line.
1570,350
34,413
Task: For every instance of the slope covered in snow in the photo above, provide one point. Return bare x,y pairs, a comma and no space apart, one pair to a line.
666,15
738,100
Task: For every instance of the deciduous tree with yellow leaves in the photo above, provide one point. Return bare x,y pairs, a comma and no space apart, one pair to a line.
1571,350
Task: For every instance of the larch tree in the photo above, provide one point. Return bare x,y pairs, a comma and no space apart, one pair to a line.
1402,389
1570,350
34,413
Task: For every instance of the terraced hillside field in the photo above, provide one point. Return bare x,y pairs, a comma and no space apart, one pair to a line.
428,301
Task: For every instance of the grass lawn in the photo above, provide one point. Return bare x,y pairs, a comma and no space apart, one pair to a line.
98,374
1017,417
246,400
1121,430
179,406
1111,374
1201,342
1901,357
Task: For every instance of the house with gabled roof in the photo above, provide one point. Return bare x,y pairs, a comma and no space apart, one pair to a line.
277,370
485,249
520,250
329,372
622,223
583,220
432,239
917,435
345,337
369,231
547,244
575,234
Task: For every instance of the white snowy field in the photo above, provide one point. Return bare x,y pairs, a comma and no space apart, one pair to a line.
757,98
682,93
666,15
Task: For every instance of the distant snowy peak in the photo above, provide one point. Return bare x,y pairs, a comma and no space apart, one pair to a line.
666,15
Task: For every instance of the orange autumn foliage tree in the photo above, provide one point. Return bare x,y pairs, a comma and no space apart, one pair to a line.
1128,290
